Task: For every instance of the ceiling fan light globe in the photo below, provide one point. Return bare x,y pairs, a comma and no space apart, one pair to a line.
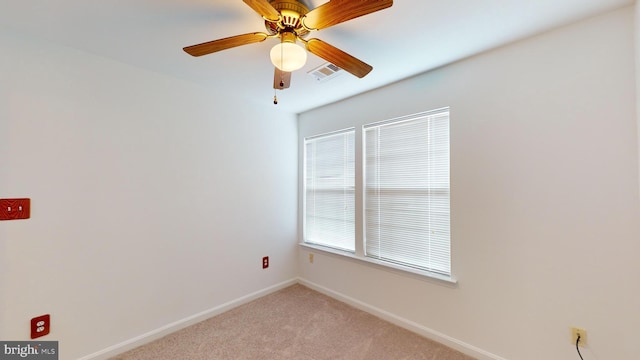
288,56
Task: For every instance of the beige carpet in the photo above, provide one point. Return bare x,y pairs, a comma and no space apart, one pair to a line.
294,323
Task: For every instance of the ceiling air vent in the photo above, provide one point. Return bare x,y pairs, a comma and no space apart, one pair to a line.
325,72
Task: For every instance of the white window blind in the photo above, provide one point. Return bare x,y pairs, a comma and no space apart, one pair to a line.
407,218
329,190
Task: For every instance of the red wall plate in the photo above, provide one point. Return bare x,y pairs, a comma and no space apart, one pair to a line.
14,209
40,326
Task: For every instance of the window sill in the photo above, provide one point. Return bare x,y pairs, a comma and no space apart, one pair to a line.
419,274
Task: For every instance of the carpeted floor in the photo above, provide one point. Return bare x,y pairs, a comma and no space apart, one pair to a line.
294,323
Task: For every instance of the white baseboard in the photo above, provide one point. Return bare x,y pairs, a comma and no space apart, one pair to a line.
114,350
394,319
406,324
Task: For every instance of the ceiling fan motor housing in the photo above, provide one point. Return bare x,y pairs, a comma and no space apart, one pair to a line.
291,11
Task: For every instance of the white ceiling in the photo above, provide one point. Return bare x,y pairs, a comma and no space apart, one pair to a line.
411,37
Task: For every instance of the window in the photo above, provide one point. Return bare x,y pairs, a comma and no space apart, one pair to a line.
403,213
406,210
329,194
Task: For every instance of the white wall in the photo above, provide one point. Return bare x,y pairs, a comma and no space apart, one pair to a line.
545,206
4,128
637,47
152,199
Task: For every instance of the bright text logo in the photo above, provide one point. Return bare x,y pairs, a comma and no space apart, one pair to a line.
32,350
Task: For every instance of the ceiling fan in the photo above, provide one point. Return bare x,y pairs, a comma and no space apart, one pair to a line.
291,21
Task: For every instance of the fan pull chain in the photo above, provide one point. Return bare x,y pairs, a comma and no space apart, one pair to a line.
275,98
281,62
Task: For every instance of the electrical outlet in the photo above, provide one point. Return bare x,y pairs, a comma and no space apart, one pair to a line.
15,209
40,326
311,258
265,262
583,336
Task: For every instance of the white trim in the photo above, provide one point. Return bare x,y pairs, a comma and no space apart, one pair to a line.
330,133
440,279
421,114
406,324
137,341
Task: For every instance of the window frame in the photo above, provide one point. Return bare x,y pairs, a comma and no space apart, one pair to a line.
391,182
351,131
317,129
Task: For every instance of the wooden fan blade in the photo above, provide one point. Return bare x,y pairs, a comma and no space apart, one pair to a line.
338,57
223,44
264,8
337,11
281,79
